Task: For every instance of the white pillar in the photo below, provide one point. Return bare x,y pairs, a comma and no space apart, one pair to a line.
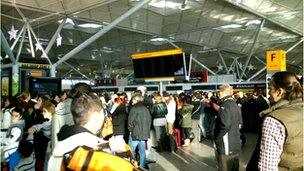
53,71
15,80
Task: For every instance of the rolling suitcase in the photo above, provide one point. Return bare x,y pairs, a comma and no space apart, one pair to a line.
177,136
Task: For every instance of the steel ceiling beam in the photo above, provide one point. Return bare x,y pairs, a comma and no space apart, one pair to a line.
44,54
223,61
202,65
17,39
20,46
257,58
295,45
263,69
98,34
246,8
7,48
51,42
5,66
77,70
252,48
256,74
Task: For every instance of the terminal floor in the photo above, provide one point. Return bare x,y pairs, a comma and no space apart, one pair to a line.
197,157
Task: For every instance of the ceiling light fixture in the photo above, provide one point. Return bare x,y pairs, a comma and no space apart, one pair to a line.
165,4
230,26
158,39
90,25
68,20
253,22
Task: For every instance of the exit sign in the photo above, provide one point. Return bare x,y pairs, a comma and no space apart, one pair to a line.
276,60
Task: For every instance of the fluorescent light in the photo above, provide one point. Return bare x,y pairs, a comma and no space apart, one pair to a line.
230,26
68,20
253,22
90,25
165,4
159,39
106,49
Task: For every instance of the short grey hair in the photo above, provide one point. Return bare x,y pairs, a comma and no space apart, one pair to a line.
138,97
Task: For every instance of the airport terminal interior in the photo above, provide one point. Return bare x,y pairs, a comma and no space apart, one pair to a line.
181,84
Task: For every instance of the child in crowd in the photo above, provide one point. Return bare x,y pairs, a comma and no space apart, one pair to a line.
46,127
10,142
5,117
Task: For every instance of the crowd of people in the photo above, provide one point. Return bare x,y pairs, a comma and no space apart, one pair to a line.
66,132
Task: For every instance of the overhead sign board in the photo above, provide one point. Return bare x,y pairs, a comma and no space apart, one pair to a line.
276,60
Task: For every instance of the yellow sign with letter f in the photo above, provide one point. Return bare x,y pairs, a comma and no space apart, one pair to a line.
276,60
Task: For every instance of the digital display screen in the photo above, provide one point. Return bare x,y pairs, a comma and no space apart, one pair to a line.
42,85
161,66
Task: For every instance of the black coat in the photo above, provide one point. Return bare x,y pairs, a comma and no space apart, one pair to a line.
227,128
139,122
159,110
119,118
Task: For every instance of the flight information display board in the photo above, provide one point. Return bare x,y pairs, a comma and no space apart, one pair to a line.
161,65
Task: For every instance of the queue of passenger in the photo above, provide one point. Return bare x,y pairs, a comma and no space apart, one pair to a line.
41,132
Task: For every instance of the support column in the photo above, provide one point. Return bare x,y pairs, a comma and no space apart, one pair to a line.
53,71
15,79
161,88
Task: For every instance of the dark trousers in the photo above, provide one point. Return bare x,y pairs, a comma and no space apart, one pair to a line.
228,162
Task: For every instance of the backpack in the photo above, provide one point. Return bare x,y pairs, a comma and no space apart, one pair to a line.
85,159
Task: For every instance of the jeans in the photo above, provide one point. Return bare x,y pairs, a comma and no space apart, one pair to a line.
159,131
141,149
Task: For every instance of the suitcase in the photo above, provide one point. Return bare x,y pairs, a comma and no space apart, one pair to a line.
177,136
167,143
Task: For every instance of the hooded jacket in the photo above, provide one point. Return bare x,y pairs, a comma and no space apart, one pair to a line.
69,138
63,116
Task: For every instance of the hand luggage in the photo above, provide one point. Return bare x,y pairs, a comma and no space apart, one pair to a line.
177,136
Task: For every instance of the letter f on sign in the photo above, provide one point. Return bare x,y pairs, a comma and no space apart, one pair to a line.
272,56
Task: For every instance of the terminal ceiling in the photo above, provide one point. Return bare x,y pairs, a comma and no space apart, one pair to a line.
204,27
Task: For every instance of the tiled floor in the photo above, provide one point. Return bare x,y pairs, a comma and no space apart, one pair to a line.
197,157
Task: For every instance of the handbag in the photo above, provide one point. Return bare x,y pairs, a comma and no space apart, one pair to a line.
191,135
107,129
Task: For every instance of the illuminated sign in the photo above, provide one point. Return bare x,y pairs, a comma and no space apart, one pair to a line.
156,54
36,66
276,60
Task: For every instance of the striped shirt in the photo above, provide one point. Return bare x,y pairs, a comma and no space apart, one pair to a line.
272,142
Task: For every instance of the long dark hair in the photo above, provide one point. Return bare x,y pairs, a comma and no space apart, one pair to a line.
290,83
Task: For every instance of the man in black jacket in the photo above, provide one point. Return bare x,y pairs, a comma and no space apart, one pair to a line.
227,131
139,121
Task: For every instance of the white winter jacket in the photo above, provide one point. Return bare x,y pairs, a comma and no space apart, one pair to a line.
63,116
